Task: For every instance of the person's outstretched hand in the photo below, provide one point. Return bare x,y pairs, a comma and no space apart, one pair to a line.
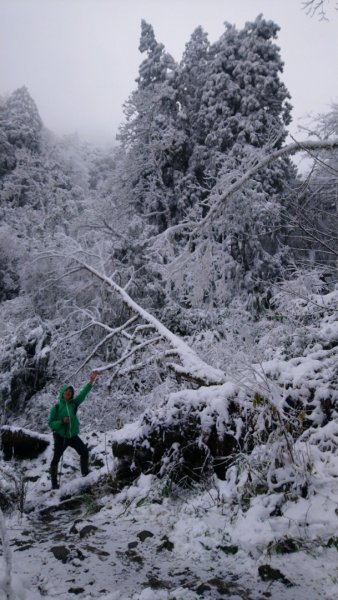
93,376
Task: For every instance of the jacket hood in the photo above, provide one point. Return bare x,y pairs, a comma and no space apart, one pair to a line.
65,387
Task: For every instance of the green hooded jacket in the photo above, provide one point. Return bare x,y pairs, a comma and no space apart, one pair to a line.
67,408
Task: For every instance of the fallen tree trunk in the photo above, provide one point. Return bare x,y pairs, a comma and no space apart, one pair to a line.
22,443
192,367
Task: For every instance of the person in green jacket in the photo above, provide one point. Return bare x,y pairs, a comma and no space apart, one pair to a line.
65,426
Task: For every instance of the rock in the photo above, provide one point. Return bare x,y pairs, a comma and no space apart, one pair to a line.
61,553
87,530
202,588
98,551
143,535
159,584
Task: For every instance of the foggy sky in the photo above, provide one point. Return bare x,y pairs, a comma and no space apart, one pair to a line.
79,58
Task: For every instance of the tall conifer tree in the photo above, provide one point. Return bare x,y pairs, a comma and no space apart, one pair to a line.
153,135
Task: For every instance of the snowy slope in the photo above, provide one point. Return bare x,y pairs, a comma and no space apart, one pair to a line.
148,542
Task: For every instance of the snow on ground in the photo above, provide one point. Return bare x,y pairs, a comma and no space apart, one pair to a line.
152,543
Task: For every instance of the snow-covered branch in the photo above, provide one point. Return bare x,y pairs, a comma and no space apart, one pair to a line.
217,200
108,337
192,365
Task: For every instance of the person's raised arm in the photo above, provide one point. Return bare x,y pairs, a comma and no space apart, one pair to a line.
86,389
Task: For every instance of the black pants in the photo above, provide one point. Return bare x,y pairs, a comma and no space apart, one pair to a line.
60,445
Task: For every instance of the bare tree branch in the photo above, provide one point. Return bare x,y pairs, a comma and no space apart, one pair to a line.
313,7
138,366
130,353
108,337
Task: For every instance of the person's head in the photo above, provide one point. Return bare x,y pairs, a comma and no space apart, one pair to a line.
68,393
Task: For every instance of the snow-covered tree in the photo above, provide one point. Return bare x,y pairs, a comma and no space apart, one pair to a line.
313,216
21,121
243,112
154,136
